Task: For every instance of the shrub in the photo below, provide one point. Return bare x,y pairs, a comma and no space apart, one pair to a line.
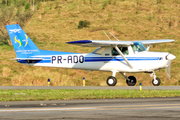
83,24
27,6
158,1
106,3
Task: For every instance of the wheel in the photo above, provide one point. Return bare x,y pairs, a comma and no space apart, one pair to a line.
131,81
156,82
111,81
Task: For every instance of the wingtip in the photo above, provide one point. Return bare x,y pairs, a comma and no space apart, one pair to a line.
79,42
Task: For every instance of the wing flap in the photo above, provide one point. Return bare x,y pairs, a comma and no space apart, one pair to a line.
150,42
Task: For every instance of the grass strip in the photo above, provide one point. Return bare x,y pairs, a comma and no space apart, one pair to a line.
31,95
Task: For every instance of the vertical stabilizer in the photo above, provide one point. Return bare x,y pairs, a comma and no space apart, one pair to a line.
23,45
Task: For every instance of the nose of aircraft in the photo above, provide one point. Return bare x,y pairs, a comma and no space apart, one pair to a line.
170,57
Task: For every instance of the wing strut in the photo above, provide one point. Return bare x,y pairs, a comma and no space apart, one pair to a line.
106,35
148,46
114,36
123,57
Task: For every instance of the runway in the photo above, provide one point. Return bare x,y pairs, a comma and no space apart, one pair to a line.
92,87
112,109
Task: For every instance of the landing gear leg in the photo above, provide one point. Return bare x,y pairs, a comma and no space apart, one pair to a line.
111,80
156,81
131,80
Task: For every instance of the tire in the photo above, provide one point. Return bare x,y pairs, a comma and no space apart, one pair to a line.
156,82
111,81
131,81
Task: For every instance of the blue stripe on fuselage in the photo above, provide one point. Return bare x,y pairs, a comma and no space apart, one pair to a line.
103,59
97,59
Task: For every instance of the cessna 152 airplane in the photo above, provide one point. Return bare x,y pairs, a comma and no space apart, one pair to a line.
113,56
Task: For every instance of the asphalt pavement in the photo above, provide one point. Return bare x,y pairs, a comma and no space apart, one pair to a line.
110,109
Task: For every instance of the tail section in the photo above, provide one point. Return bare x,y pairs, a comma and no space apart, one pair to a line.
23,45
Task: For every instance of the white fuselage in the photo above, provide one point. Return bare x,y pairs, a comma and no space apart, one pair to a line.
141,62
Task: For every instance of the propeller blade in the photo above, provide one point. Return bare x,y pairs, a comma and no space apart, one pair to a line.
168,70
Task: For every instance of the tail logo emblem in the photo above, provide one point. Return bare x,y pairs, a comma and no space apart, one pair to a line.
14,30
20,41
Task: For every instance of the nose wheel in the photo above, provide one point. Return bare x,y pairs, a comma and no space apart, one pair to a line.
156,82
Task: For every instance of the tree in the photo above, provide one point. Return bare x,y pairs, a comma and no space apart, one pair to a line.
8,16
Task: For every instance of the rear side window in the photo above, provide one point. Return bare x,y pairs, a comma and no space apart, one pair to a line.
99,50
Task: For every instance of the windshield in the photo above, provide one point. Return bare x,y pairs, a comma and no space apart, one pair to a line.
138,47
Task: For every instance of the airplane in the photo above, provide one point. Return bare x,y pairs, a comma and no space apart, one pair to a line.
114,56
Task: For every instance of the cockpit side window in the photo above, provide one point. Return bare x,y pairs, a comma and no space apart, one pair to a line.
138,47
124,50
99,50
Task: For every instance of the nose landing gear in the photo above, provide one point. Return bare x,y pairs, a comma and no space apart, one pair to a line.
156,81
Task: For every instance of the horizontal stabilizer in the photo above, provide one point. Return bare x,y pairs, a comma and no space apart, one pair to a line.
27,59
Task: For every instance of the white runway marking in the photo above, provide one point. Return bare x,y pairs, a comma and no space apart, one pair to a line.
42,109
121,107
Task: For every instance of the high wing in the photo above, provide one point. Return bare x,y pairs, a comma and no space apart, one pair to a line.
97,43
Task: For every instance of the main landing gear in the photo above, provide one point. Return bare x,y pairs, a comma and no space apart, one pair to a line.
111,81
131,80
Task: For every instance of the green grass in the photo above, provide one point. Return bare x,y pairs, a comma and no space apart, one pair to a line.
26,95
56,22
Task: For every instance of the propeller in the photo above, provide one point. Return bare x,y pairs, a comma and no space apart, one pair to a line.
169,57
168,70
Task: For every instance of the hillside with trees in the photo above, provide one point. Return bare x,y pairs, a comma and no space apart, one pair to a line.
52,23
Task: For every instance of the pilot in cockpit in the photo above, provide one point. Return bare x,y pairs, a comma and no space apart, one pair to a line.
124,50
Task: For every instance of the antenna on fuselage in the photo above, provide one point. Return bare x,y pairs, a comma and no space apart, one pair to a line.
113,36
106,35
